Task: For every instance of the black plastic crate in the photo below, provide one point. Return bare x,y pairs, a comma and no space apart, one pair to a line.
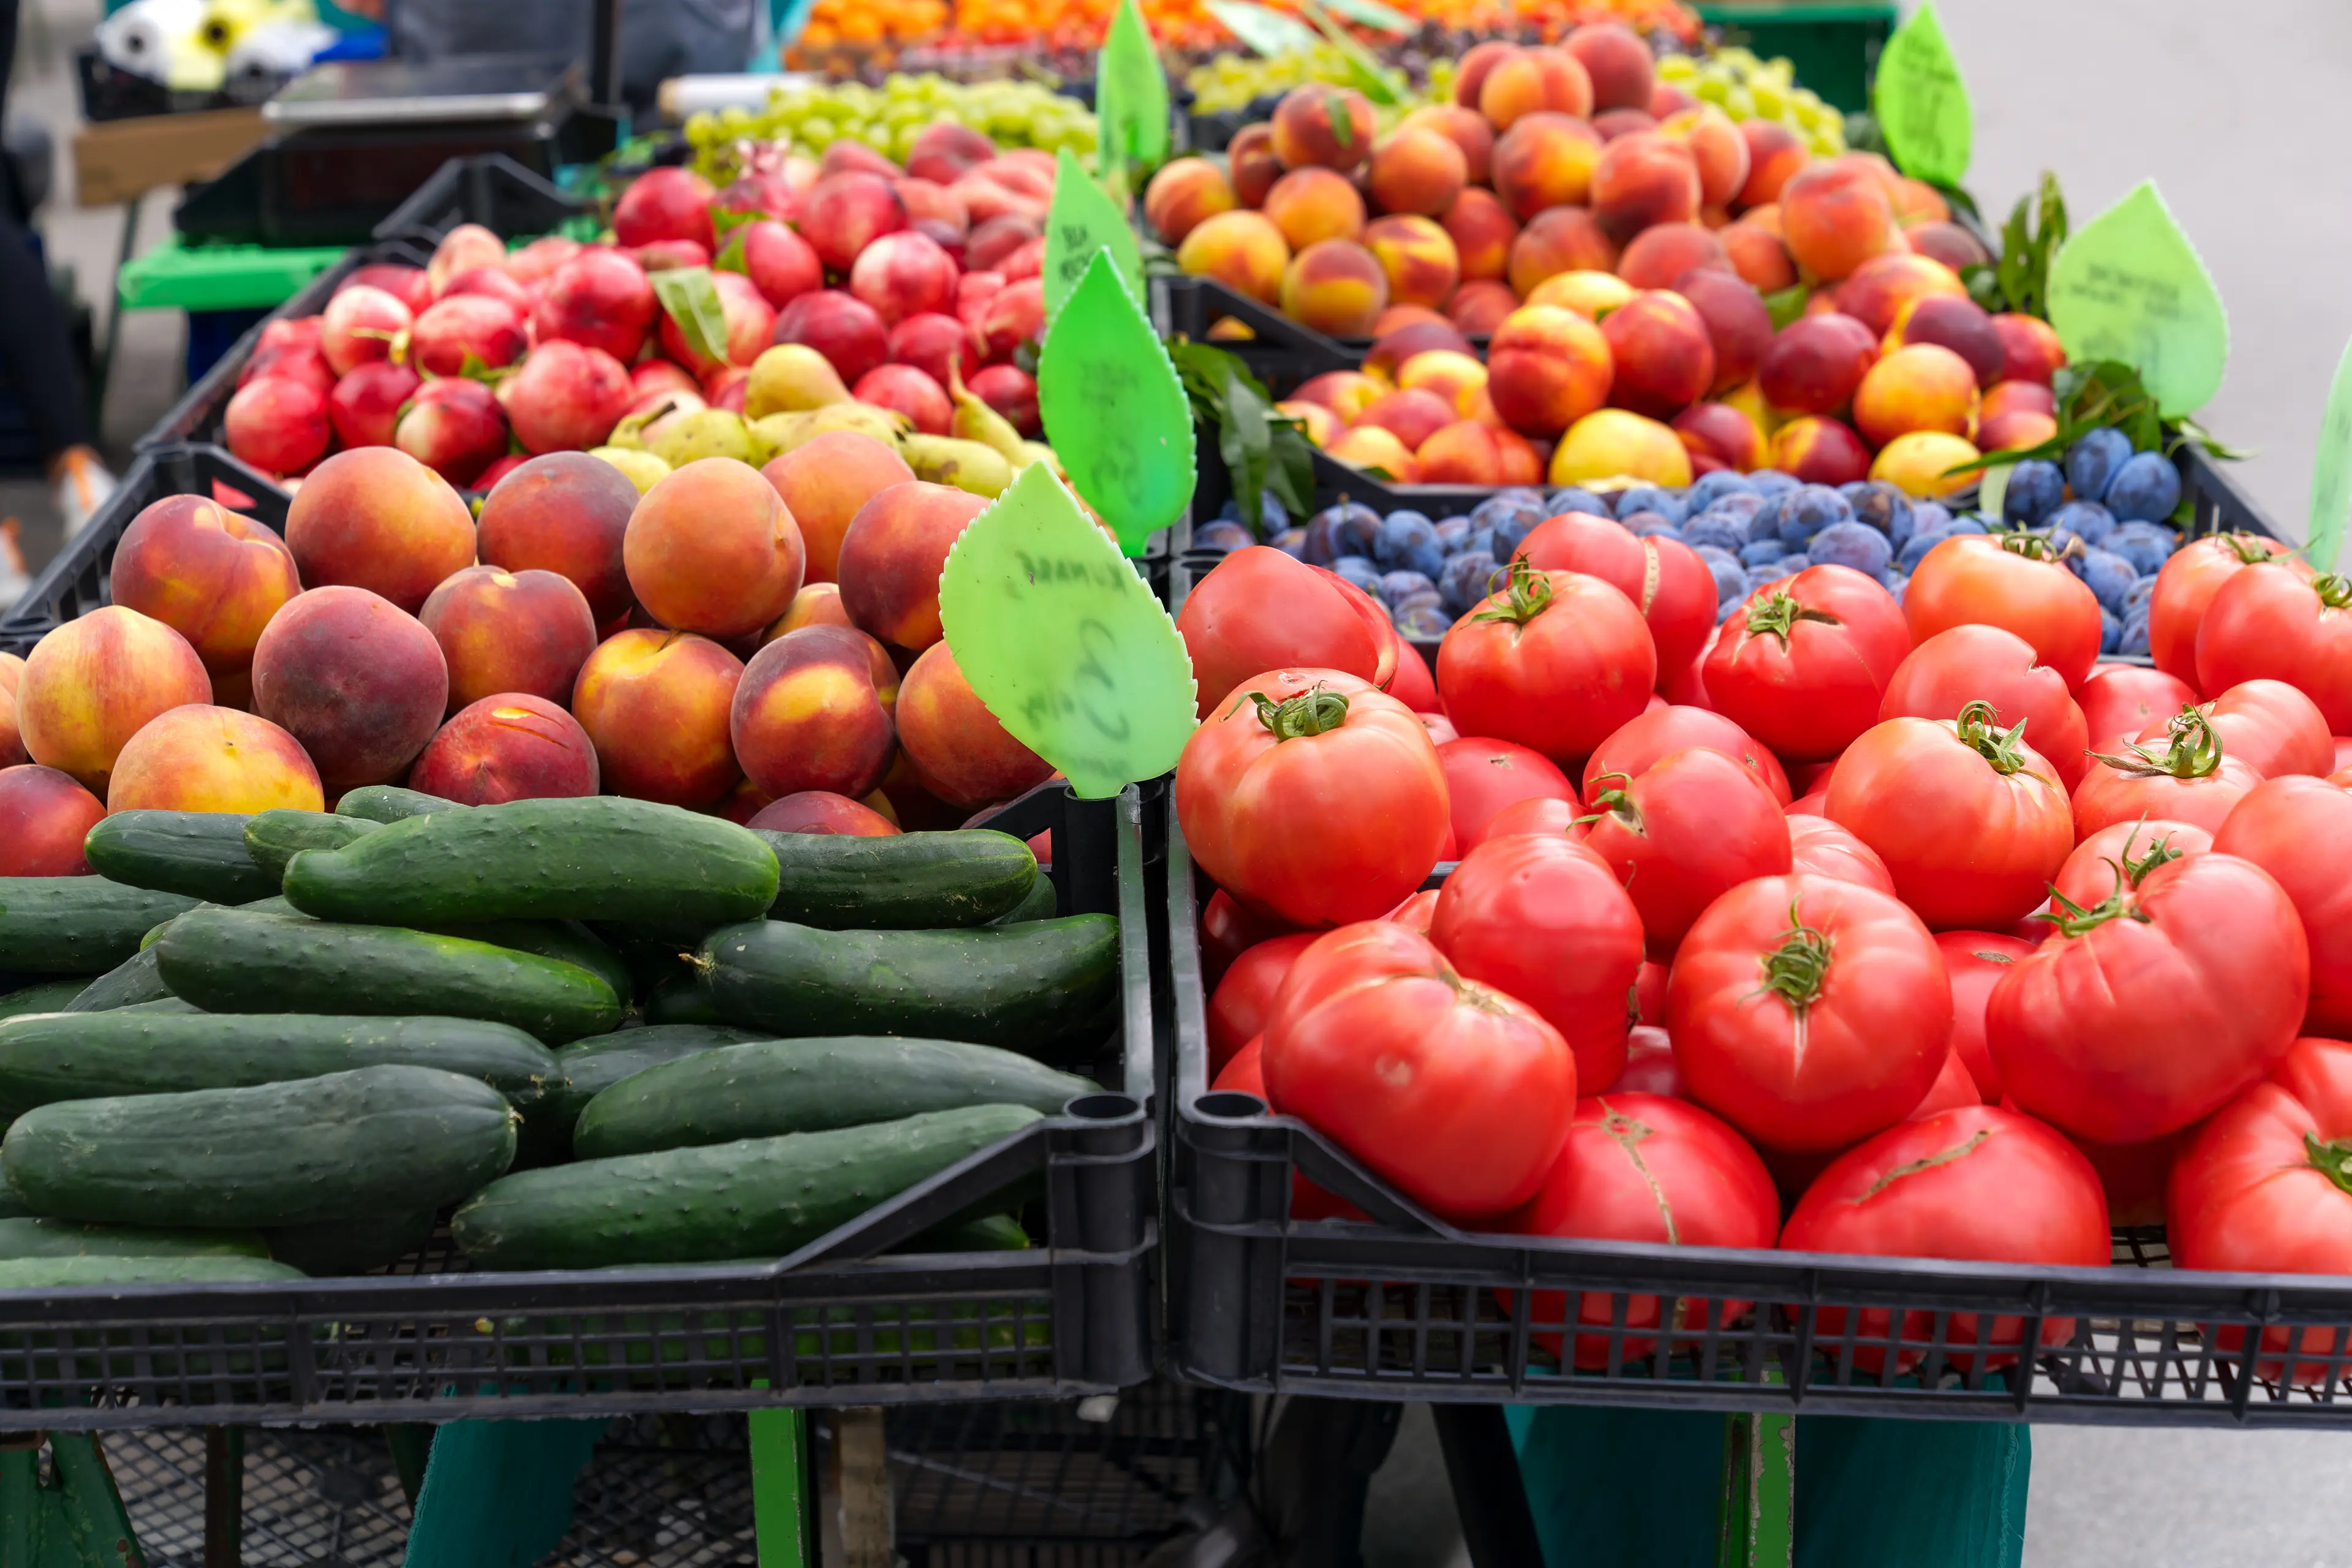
492,190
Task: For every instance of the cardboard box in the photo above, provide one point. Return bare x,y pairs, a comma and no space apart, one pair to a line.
117,160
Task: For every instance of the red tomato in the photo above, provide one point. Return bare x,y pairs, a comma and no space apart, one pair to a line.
1971,820
1441,729
1650,1063
1416,912
1666,579
1823,849
1973,961
1650,995
1644,1167
1985,664
2120,854
2299,831
1260,609
1687,688
1312,798
1643,741
2133,1174
1556,661
1812,778
1808,1012
1415,684
2120,700
1455,1093
1814,804
1228,930
1238,1007
2266,725
2152,1009
1953,1088
2013,581
1537,814
1544,919
2186,586
1245,1075
1376,621
1803,663
1977,1184
1681,835
2270,620
2188,780
1482,776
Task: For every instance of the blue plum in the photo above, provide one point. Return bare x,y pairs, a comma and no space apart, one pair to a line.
2091,462
2145,489
2035,488
1854,544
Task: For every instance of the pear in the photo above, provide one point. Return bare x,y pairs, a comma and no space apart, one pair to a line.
642,469
975,420
791,378
704,433
973,466
781,432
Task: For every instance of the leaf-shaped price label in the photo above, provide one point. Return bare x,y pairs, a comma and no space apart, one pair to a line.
1063,640
2331,470
692,300
1129,71
1372,13
1114,408
1921,102
1264,31
2129,285
1082,221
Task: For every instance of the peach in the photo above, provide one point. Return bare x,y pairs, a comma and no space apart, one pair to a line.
600,299
376,518
1480,305
1453,377
656,705
1768,218
1370,447
843,214
360,325
1482,230
1748,399
901,275
565,397
1919,461
2014,431
1616,61
1418,256
1958,324
816,605
1737,320
1820,451
94,682
202,758
1718,148
209,573
809,714
357,681
892,555
1664,357
944,151
453,426
1397,317
1013,393
957,750
511,745
1666,99
1532,81
565,512
1546,368
1015,314
1948,243
1590,295
910,392
1835,217
933,342
1643,179
1320,423
1416,170
1466,127
12,742
1394,346
1346,392
1815,363
1611,123
935,212
504,631
1545,160
1334,286
407,284
1411,416
2030,349
365,405
462,326
1242,250
1522,464
780,263
301,362
820,811
1659,254
1331,126
43,817
277,424
1561,240
1184,192
1251,165
1613,442
1916,202
1883,285
1476,65
2017,397
825,481
1925,386
711,549
849,333
661,203
1719,431
1774,157
752,321
1462,453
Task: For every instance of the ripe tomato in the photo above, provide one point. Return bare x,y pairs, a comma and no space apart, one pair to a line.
1650,995
1641,1167
1650,1063
2186,586
1537,814
1238,1006
1245,1074
2013,581
1312,798
1818,846
2266,725
1415,684
1228,930
1971,820
1802,665
1953,1088
1986,664
1664,578
1679,835
1977,1184
1457,1094
2270,620
1808,1012
1416,912
2120,700
2188,780
1557,661
1482,776
1644,741
1973,961
2299,831
1260,609
1544,919
2120,854
2133,1174
1441,729
2153,1007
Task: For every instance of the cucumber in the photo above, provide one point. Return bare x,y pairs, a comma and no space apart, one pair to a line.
87,1056
907,882
1011,986
11,1205
768,1088
684,999
566,941
761,1197
199,853
169,1005
49,996
224,960
134,980
989,1233
598,857
269,906
67,1238
390,803
77,925
594,1065
1042,904
274,837
349,1144
351,1246
71,1273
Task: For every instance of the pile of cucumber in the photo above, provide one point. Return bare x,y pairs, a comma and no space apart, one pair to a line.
605,1032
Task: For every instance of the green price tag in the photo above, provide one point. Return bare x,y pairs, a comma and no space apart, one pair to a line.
2331,471
1082,221
1264,32
1064,641
1114,408
1131,92
2129,286
1921,102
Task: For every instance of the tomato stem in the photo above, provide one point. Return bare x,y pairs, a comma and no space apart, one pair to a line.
2074,919
1615,803
1528,594
2249,548
1312,712
2159,851
1977,729
2193,750
2334,590
1779,615
1798,968
2038,546
2333,1161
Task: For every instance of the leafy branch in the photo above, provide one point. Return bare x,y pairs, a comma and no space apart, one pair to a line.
2101,394
2020,281
1263,449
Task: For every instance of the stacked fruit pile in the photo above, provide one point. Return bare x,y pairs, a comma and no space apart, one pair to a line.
1913,916
1747,88
807,121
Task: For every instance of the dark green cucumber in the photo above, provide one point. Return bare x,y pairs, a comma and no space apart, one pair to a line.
1042,904
566,941
11,1205
69,1238
1008,986
989,1233
199,853
378,1140
228,962
768,1088
269,906
71,1273
85,1056
77,925
390,803
351,1246
134,980
906,881
170,1005
601,857
761,1197
274,837
594,1065
684,999
49,996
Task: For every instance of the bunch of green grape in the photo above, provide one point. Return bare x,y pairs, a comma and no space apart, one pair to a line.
1235,81
808,120
1747,88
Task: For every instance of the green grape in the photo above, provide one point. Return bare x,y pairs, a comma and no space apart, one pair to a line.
1767,98
1733,55
1741,105
817,131
1714,91
1780,69
1673,67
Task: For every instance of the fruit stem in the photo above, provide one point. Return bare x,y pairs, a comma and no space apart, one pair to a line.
1798,968
1614,802
2335,591
1977,729
2037,546
2159,851
1312,712
2333,1159
2194,751
2072,920
2250,547
1530,596
1779,615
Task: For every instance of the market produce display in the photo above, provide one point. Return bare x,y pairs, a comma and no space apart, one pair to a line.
807,121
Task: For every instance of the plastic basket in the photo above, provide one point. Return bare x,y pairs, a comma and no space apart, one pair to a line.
492,190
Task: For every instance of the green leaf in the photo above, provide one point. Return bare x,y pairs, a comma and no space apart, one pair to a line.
691,298
1377,83
1372,13
731,256
725,221
1788,304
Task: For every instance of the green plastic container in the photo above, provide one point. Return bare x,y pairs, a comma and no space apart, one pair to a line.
1834,47
175,276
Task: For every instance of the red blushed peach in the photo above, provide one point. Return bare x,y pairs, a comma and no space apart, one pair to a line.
565,512
843,214
1535,81
95,681
1334,286
1666,99
908,391
1545,161
1611,123
1482,230
511,745
1718,148
2029,348
1393,348
711,549
1411,416
376,518
1397,317
892,555
1721,432
1664,359
1346,392
2014,431
504,631
1477,65
1737,320
1322,124
1660,254
1417,171
1775,156
1466,127
598,299
356,679
1616,61
1757,255
808,714
845,329
1883,285
12,741
1251,165
656,706
1370,447
1522,464
202,758
1915,202
1820,451
902,275
1454,377
1815,363
210,574
277,424
960,753
1608,443
1546,369
1321,424
1957,324
1834,216
1922,387
1561,240
816,605
1481,305
936,343
1463,452
1644,179
1184,192
825,481
820,811
1948,243
2017,397
1242,250
1590,295
740,805
1418,256
43,817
